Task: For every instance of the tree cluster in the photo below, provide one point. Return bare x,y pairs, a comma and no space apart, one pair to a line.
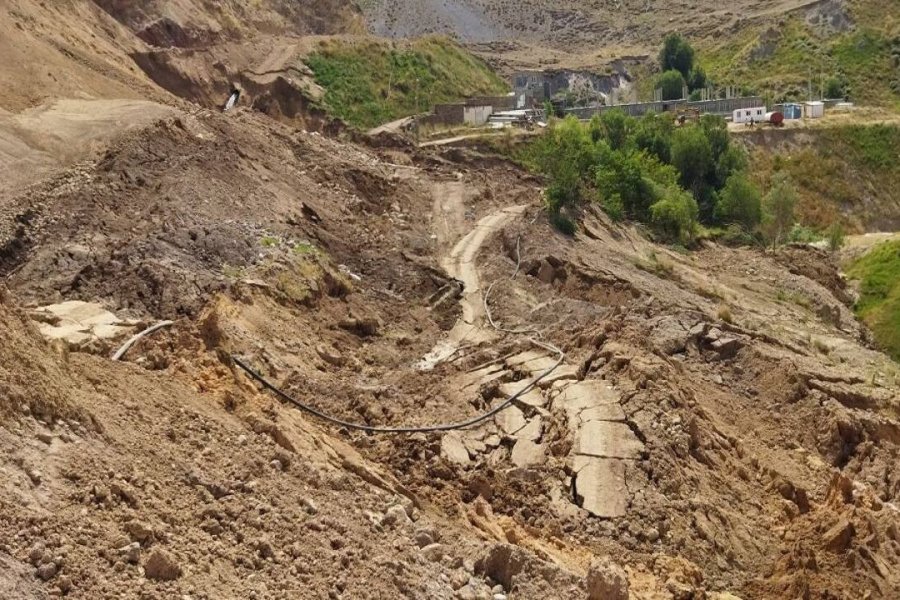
676,59
672,178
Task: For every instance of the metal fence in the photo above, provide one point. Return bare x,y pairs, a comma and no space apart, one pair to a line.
723,106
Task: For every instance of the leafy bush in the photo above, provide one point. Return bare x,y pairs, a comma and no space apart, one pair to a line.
613,206
672,84
801,234
879,301
692,156
835,236
778,209
736,235
740,203
653,134
367,84
563,223
674,217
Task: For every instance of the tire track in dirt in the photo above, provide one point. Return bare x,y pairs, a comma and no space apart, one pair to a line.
604,445
459,263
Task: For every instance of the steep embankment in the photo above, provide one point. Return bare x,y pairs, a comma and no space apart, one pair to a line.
845,172
878,275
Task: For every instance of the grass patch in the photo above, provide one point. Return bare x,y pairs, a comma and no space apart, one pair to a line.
777,62
367,84
878,272
724,314
657,265
844,173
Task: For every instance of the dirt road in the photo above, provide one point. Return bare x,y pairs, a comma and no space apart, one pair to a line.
459,262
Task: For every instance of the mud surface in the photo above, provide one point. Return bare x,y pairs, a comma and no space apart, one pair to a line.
719,424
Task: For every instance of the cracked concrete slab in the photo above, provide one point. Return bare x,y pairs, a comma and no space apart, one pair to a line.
526,453
600,487
510,420
608,439
532,397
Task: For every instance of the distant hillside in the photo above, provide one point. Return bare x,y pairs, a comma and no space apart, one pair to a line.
851,46
370,82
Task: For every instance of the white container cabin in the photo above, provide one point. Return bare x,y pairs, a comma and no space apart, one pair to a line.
746,115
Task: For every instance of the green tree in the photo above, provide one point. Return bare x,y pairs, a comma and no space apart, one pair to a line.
617,127
566,154
674,216
676,54
835,237
778,209
653,134
834,88
696,79
740,203
692,156
672,84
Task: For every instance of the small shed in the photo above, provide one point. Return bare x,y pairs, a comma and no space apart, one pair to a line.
814,109
791,110
746,115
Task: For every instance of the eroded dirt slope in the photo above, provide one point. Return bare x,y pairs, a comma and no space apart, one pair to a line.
717,425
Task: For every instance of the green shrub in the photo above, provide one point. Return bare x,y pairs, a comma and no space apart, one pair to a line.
676,54
613,207
778,209
674,217
736,235
801,234
672,85
835,235
563,223
367,84
740,203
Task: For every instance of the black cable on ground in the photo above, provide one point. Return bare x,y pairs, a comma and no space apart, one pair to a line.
407,429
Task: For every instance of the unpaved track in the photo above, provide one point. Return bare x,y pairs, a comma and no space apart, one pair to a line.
605,445
459,263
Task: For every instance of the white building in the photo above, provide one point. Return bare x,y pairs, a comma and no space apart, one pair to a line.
813,110
746,115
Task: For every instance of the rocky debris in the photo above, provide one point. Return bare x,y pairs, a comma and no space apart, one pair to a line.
433,552
139,532
526,453
606,581
515,568
837,539
531,431
131,553
454,450
600,486
161,566
669,336
46,571
79,323
361,326
510,420
423,538
395,515
330,355
532,397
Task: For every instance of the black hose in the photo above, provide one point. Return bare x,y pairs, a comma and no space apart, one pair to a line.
376,429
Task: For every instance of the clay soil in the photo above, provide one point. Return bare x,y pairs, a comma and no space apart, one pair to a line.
719,426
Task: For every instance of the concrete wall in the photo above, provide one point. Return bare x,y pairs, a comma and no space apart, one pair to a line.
477,115
724,107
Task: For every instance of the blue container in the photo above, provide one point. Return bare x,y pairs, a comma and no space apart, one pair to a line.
792,111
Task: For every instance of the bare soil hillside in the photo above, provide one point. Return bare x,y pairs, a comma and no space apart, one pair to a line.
534,33
649,424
